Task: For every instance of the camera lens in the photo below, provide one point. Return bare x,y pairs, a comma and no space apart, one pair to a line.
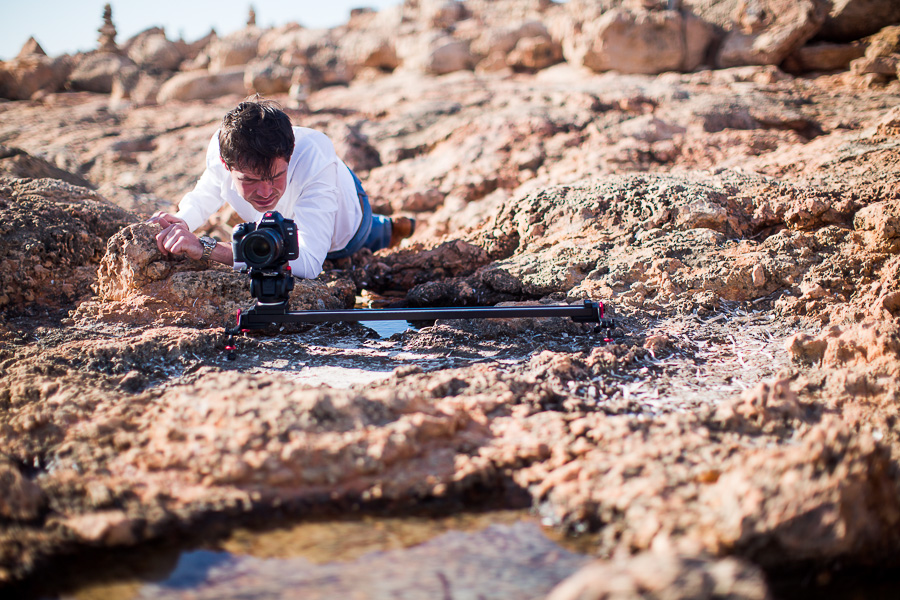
262,248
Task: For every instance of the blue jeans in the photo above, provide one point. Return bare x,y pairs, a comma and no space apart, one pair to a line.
374,230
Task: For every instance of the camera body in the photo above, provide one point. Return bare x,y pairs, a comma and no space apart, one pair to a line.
268,245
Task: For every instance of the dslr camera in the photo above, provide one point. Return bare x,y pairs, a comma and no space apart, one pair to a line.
267,246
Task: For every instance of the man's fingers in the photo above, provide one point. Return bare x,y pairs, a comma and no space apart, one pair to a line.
161,240
177,240
167,237
165,219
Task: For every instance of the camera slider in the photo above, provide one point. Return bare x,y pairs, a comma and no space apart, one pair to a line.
263,314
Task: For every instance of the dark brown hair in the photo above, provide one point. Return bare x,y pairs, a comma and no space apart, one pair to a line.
253,135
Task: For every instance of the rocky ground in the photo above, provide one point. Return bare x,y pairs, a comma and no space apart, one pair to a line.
741,224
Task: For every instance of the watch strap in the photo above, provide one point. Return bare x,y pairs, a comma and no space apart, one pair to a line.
209,244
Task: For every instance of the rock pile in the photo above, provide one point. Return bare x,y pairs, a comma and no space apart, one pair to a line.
437,37
52,237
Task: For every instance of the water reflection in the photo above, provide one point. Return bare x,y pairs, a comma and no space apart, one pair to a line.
386,329
503,554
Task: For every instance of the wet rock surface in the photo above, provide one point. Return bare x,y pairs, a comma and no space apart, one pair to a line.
740,224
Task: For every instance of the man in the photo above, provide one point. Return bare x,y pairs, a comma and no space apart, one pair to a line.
257,162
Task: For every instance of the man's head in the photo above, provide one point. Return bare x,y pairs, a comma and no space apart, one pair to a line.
256,142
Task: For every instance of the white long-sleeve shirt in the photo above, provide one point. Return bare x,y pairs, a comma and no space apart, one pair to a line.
320,197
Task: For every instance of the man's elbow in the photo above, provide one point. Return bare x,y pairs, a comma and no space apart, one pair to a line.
306,268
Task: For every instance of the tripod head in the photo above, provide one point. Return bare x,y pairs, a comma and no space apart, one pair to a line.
272,286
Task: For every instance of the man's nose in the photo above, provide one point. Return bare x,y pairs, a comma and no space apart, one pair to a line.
265,188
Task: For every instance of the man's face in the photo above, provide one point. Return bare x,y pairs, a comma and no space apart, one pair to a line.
263,194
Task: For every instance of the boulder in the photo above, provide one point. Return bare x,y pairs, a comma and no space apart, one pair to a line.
15,162
267,79
526,47
670,576
135,87
768,31
884,43
191,51
447,55
535,53
96,72
31,47
152,50
823,56
881,222
882,56
201,85
850,20
20,498
52,237
647,42
138,285
435,53
882,65
372,50
33,73
442,14
238,48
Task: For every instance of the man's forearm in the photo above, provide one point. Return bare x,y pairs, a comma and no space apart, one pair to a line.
223,253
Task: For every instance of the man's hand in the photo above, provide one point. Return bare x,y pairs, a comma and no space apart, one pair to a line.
175,238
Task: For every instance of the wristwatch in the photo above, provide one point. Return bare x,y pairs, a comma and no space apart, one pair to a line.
209,244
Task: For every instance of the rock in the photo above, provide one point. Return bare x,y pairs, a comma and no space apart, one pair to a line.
882,65
200,85
196,54
670,576
823,56
52,236
354,148
238,48
267,79
435,53
134,87
16,163
806,349
442,14
884,43
645,42
106,528
831,510
527,47
850,20
96,71
771,30
32,74
881,222
534,53
20,498
882,56
31,47
152,50
316,56
369,50
136,284
446,56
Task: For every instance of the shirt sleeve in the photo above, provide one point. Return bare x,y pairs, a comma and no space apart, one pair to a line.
314,213
198,205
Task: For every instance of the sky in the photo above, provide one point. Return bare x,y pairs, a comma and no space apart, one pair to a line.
68,26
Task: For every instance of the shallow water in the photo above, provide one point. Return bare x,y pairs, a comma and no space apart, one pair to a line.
386,329
505,554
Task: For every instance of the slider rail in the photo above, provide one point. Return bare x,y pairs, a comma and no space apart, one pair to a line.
263,315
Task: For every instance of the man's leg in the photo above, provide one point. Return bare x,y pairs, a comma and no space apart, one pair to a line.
387,232
401,228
